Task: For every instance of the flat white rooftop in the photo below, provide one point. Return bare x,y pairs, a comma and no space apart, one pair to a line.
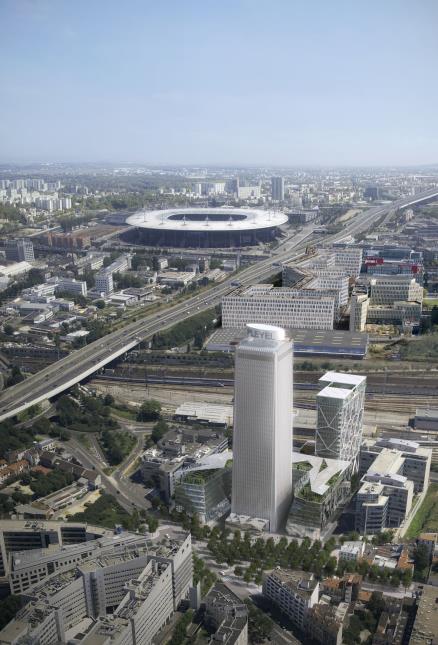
342,378
334,392
207,219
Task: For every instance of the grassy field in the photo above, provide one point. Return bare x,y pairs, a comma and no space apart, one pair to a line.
430,302
426,518
423,349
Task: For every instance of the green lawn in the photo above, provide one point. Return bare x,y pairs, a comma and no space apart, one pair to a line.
426,518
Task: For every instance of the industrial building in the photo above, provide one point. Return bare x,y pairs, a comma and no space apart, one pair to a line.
307,342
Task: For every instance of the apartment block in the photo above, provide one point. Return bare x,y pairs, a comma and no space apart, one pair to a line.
294,593
69,285
19,250
228,615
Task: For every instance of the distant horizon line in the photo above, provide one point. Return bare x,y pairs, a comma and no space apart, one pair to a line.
168,164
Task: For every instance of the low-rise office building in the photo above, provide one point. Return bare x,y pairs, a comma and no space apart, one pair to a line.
417,459
385,497
386,290
320,488
204,489
282,306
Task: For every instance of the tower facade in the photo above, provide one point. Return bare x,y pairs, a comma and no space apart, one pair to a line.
277,188
340,406
262,441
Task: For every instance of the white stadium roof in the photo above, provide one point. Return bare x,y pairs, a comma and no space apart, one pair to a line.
207,219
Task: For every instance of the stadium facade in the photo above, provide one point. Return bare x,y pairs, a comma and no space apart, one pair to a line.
205,227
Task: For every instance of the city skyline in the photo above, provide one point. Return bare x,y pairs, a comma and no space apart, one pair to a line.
253,83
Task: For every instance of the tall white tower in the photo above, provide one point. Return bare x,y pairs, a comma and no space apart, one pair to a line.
262,440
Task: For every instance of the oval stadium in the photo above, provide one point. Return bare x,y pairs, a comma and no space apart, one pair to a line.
205,227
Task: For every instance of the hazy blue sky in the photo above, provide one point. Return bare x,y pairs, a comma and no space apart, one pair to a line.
220,81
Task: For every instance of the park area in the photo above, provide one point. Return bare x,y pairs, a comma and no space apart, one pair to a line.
426,518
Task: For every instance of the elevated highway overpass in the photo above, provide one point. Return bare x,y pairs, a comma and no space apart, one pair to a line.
83,362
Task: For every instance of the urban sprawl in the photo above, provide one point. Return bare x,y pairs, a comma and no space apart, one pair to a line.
218,405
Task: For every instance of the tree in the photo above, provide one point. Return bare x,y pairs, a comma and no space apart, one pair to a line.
149,411
159,430
8,608
100,304
108,400
152,523
15,377
8,329
259,624
406,578
376,604
421,560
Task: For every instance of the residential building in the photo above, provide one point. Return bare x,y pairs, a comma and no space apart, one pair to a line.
340,406
227,614
294,593
282,306
248,192
19,250
69,285
324,623
277,189
352,551
385,497
262,438
425,628
104,282
417,459
345,589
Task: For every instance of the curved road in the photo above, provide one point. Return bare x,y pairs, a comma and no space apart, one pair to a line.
83,362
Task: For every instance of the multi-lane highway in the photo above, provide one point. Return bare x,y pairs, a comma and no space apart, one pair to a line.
83,362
